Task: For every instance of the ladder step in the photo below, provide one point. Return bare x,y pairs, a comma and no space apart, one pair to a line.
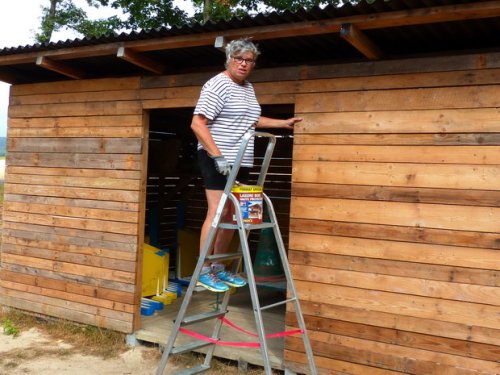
190,346
200,288
194,370
247,226
260,226
278,303
202,317
226,256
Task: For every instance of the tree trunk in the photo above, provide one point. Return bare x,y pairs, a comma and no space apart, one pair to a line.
49,26
207,10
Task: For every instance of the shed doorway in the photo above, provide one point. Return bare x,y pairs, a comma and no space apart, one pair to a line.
175,210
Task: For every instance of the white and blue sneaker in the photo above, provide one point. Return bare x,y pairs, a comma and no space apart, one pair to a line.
231,279
211,282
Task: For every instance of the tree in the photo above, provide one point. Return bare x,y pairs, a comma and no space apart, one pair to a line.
152,14
147,14
64,13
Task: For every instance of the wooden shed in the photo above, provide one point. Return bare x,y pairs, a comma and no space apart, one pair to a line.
388,191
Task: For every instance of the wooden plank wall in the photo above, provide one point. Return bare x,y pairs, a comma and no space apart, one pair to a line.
73,193
395,218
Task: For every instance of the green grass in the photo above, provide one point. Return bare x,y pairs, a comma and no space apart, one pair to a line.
90,339
9,328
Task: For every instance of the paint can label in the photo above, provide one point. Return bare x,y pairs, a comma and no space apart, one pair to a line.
251,203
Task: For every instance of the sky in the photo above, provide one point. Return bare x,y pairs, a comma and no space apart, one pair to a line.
19,19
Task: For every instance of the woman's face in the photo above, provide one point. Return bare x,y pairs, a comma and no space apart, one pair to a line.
240,66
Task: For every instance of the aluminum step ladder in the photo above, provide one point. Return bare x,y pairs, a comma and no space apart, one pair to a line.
243,253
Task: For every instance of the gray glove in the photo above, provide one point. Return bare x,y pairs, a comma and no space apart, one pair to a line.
222,165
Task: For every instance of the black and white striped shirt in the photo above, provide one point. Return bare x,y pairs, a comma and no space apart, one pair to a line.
231,110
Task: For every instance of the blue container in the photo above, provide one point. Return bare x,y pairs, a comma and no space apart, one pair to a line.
147,310
148,306
174,287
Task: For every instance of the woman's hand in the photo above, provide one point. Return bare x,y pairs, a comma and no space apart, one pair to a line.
289,123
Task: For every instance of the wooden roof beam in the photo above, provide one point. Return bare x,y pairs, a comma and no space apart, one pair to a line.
59,67
8,78
360,41
140,60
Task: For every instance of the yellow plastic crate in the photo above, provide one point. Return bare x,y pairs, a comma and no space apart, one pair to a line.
155,265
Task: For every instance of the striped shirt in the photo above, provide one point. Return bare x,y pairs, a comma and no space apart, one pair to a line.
231,110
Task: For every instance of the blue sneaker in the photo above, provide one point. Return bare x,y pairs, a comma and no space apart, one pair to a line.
211,282
231,279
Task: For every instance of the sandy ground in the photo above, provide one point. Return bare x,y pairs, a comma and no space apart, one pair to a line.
34,353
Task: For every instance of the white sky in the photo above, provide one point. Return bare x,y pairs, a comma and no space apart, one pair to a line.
19,19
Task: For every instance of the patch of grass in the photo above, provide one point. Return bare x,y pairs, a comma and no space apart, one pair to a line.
9,328
101,342
86,339
17,319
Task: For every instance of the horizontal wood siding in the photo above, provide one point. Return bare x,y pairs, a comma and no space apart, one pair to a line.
394,218
75,192
73,196
395,221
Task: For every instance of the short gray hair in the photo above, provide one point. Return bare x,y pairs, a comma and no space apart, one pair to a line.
238,46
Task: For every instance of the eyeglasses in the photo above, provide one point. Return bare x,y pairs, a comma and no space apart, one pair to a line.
239,60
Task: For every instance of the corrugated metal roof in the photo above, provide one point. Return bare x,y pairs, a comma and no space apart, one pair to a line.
274,18
395,41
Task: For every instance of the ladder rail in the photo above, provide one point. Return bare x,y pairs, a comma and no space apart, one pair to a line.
290,283
245,257
189,292
243,234
253,290
267,157
203,253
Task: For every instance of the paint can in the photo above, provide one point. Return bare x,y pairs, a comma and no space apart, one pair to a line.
251,202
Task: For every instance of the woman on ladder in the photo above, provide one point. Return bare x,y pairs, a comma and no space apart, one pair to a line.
226,110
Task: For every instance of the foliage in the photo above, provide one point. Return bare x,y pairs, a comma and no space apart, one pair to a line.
152,14
138,14
147,14
9,328
65,14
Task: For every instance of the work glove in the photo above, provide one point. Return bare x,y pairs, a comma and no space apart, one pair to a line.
222,165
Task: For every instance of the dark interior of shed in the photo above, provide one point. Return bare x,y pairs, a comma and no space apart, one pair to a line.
175,198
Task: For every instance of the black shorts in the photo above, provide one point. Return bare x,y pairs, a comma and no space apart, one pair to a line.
214,180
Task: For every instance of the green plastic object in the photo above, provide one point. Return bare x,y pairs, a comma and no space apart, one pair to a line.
267,263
